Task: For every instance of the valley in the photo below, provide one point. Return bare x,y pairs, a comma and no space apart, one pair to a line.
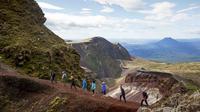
38,69
167,50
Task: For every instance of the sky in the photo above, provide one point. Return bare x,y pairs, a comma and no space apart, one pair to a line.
123,20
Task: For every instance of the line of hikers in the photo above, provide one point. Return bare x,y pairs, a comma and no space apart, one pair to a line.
73,82
93,86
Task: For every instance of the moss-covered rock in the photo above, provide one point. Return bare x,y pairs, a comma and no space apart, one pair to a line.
28,45
56,104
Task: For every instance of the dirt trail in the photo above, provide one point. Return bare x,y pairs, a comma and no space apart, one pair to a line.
61,88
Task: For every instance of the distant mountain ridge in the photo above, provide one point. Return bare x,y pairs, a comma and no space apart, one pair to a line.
101,56
167,50
167,41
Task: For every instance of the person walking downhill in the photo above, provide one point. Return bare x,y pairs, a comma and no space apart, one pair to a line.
123,94
64,77
73,83
145,97
52,76
93,87
103,86
84,85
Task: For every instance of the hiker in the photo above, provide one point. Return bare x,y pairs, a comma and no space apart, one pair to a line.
84,85
103,86
145,97
123,94
64,77
73,83
53,76
93,87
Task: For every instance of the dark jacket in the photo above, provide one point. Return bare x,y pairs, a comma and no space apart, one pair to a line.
122,91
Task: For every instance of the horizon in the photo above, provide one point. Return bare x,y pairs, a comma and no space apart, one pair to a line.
138,41
122,20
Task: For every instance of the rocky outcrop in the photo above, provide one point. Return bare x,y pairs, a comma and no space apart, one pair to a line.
179,103
152,79
101,56
27,44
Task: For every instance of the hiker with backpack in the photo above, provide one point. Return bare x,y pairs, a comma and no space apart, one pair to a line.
52,76
84,85
93,87
64,77
123,94
103,87
73,83
145,97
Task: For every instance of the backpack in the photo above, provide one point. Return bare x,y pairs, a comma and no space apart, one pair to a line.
64,76
145,95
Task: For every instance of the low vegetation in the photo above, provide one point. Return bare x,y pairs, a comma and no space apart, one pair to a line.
30,47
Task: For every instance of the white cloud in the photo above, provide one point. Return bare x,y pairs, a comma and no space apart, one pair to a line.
86,11
195,31
143,24
163,11
66,21
188,9
125,4
153,25
45,5
107,9
159,11
179,16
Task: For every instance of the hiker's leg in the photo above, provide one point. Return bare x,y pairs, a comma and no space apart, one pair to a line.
124,98
71,85
142,102
120,97
146,102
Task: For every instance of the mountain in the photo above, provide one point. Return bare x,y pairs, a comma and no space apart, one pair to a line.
167,50
30,47
168,41
101,56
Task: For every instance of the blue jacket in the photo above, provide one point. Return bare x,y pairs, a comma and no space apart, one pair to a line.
84,84
103,87
93,86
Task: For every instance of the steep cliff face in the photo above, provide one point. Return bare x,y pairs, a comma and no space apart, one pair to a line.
151,79
31,47
101,56
158,85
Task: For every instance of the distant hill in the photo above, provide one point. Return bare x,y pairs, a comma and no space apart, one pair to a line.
167,50
101,56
